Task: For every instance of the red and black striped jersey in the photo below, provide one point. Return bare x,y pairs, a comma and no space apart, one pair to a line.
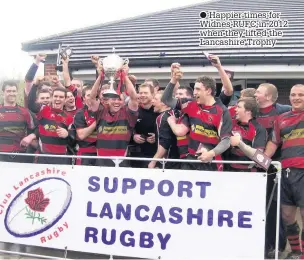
289,131
252,134
208,125
267,116
16,122
84,118
114,131
49,121
182,141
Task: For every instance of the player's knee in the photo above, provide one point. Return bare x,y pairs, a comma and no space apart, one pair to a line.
288,215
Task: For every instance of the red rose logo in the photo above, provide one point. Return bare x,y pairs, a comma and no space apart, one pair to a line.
37,203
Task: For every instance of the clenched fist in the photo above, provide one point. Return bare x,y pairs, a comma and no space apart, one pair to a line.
95,60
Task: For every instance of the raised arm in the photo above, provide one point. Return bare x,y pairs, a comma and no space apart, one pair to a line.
133,103
95,88
30,75
227,85
32,98
167,97
65,72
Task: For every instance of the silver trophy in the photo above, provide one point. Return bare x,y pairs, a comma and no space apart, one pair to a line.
111,64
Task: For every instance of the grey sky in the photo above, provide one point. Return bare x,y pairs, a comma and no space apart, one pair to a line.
30,19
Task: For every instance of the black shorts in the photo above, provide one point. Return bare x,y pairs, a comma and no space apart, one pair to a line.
292,187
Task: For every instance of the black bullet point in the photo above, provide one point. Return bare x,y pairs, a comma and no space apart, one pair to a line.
203,15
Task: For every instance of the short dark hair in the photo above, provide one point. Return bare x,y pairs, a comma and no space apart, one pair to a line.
85,89
146,85
155,82
188,89
11,83
61,90
69,91
250,104
40,91
209,83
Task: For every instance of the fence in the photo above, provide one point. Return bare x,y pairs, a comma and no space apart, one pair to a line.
233,213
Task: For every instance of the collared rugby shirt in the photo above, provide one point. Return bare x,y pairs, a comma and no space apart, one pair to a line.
83,119
252,134
16,122
289,131
114,131
49,120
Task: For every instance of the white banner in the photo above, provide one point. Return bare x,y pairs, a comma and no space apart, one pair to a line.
134,212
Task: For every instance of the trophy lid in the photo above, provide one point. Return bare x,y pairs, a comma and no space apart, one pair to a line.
111,93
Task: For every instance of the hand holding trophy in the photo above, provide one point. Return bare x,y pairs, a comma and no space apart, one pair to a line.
66,52
112,64
95,60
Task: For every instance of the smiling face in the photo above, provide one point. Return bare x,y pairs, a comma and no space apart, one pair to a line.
261,95
240,111
58,99
10,95
266,95
201,94
115,104
70,100
156,102
204,90
44,98
145,95
87,97
296,97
